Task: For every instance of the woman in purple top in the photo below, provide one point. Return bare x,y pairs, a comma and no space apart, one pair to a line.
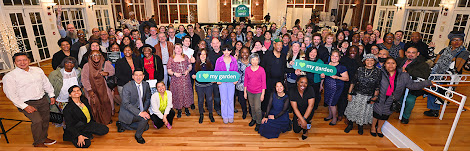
255,86
227,89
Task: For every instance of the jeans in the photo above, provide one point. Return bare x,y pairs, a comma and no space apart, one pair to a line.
255,104
227,91
207,92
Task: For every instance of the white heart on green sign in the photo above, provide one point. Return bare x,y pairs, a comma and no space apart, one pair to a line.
205,75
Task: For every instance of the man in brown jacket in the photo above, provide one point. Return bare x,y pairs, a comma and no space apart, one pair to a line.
164,49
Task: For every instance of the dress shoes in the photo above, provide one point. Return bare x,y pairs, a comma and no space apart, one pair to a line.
140,140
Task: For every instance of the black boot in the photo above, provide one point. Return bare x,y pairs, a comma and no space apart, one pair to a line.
253,122
257,127
186,110
193,107
244,115
211,117
360,130
179,113
201,118
349,128
304,134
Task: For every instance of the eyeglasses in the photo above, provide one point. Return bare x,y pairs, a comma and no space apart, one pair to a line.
95,55
80,34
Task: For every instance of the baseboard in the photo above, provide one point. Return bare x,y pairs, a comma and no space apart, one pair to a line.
398,138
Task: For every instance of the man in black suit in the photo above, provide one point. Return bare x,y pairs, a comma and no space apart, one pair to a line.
135,103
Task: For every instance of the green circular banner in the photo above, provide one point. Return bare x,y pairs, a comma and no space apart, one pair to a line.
217,76
242,11
314,67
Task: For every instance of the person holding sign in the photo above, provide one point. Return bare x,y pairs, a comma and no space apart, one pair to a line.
255,87
294,53
334,86
314,79
227,89
179,67
203,88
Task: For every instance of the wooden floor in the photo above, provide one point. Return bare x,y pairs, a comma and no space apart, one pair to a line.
188,134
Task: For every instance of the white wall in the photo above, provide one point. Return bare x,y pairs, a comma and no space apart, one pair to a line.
208,11
275,8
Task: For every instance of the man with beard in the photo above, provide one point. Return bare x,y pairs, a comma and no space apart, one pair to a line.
424,50
81,41
225,38
366,44
194,37
70,32
323,53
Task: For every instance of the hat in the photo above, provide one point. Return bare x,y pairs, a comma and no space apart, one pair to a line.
456,34
369,56
147,45
296,42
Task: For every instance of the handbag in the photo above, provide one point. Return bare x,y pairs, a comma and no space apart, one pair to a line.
56,117
111,81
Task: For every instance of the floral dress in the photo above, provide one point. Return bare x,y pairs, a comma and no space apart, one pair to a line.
181,86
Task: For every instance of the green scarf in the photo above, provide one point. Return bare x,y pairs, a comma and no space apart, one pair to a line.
163,103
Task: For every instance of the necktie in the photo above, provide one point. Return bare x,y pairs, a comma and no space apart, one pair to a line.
141,105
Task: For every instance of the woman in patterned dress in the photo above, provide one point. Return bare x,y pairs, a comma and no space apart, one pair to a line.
363,91
334,86
179,68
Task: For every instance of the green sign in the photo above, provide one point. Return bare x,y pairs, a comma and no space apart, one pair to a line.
242,11
314,67
217,76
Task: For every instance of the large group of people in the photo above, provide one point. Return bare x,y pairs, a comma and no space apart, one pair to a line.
372,74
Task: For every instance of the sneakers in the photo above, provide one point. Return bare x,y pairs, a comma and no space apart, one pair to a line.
432,113
230,120
225,120
49,141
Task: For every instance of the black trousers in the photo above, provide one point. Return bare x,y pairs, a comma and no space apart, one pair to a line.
343,100
316,89
242,101
296,127
90,129
159,122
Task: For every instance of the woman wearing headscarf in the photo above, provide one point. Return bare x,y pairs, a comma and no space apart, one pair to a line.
100,97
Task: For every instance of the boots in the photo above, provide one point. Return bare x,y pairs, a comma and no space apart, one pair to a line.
201,118
349,128
211,117
179,113
360,130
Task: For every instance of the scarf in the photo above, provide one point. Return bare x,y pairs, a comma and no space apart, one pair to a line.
163,102
442,65
99,102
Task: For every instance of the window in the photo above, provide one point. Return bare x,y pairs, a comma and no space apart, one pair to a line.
461,24
423,22
389,2
73,16
463,3
69,2
314,4
368,13
138,7
385,21
101,2
177,11
20,2
424,3
117,7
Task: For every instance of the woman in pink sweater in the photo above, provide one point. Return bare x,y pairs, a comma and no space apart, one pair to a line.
255,86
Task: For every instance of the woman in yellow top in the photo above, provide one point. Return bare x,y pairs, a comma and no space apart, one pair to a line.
161,105
79,123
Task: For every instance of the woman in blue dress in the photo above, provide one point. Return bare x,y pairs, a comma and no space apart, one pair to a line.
277,121
334,86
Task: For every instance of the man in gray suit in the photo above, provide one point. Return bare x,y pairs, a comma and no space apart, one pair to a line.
135,103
